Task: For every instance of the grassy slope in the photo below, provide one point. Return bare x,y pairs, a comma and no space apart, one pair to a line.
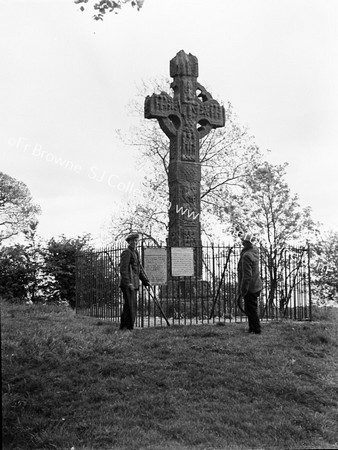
70,381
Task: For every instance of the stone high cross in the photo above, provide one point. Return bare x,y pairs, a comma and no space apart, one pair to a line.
185,118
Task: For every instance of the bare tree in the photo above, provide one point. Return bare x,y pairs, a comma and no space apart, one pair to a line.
265,206
226,154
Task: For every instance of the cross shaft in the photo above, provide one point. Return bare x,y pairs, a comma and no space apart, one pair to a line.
185,118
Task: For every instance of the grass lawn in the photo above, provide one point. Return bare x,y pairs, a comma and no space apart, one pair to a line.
72,382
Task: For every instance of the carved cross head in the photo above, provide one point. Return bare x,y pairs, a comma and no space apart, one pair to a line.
192,112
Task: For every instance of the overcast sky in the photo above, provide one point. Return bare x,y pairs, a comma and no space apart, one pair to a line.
66,81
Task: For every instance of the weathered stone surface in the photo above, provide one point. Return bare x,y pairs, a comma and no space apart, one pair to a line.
185,119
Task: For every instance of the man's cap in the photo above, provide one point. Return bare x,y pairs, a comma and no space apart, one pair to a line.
132,236
249,237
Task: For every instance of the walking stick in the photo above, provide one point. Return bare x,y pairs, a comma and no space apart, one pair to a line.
156,301
152,294
220,283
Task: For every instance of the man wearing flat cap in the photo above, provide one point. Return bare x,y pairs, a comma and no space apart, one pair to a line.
131,272
249,281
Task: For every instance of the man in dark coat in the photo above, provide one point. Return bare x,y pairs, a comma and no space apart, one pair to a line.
249,281
131,272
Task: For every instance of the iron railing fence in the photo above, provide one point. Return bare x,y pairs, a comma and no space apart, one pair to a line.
209,298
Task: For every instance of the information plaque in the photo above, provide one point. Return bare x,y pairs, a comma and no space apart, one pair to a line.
155,265
182,261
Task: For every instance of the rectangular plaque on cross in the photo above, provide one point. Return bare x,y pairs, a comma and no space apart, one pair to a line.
185,118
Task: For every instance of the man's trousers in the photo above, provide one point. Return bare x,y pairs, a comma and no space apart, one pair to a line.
129,308
250,308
